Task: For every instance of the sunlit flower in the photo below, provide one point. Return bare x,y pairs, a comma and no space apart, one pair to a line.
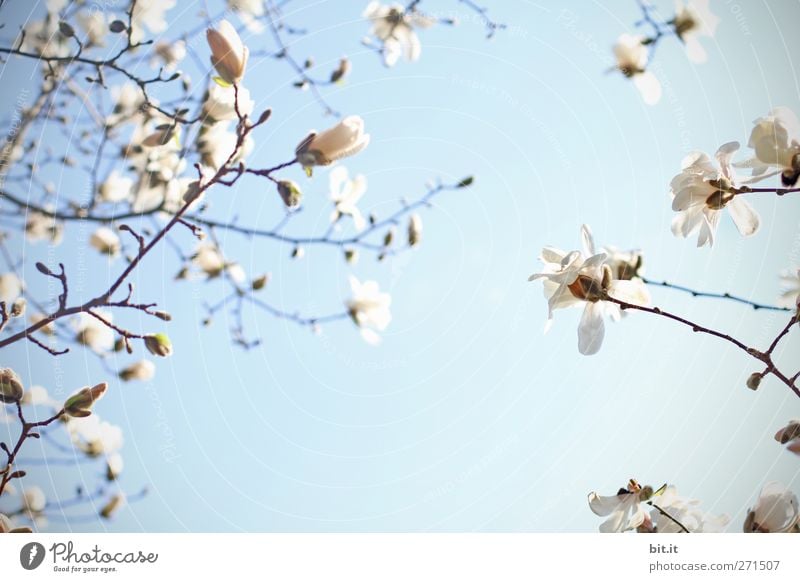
10,287
41,227
790,297
142,371
149,14
369,309
345,139
249,11
394,26
94,25
702,190
219,104
632,56
228,52
169,54
584,279
93,333
216,143
692,20
105,241
685,511
115,188
775,140
624,510
775,511
94,437
345,194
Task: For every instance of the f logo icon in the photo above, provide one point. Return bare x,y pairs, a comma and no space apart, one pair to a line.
31,555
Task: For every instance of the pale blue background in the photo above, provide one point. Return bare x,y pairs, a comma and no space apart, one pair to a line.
467,417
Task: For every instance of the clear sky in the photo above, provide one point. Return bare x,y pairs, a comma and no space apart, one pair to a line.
467,417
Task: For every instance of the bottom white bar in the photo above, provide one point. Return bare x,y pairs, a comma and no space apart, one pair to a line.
396,557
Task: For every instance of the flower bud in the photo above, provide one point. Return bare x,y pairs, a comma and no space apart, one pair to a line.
414,230
113,505
228,53
260,282
11,389
158,344
788,433
143,370
290,193
341,71
351,256
18,307
340,141
79,404
114,465
754,381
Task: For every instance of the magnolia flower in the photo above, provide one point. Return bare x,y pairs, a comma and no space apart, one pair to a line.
33,499
11,388
394,26
686,512
584,279
105,241
692,20
228,53
94,437
7,526
625,265
94,24
79,405
776,141
345,139
369,309
93,333
775,511
209,259
790,297
10,287
149,14
128,104
220,105
249,11
169,53
143,371
702,190
624,510
42,227
116,188
216,142
790,434
632,56
37,396
345,193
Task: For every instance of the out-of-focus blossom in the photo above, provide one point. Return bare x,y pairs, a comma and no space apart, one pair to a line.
33,499
228,52
149,14
790,297
10,287
414,230
693,20
114,466
8,526
249,11
775,511
115,188
169,54
94,25
220,105
142,371
41,227
632,55
105,241
345,139
775,139
686,512
113,505
702,190
37,396
369,309
93,333
216,143
345,194
394,26
93,436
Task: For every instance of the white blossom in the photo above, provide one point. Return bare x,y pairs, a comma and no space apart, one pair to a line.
249,11
228,53
33,499
116,187
694,19
790,296
93,333
94,436
10,287
220,103
632,56
94,25
142,371
790,434
775,511
394,27
41,227
702,190
345,139
169,54
775,139
584,279
105,241
345,194
149,14
685,511
624,510
369,309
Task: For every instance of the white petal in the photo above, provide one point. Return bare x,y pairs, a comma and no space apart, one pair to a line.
648,86
591,330
745,218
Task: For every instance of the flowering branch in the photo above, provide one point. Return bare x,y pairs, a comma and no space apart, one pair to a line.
728,296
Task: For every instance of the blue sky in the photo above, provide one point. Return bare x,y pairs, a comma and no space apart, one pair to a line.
467,417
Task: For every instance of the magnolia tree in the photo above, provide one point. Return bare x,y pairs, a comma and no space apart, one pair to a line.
608,283
156,146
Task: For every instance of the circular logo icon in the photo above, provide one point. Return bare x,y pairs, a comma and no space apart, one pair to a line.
31,555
